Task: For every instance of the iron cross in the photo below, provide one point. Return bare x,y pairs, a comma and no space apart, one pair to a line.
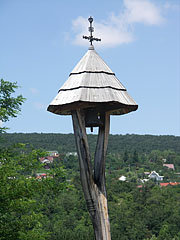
91,30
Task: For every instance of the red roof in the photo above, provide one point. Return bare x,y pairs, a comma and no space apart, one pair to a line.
171,166
164,184
174,183
50,158
169,183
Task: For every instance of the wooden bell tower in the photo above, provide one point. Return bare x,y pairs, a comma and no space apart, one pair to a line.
91,94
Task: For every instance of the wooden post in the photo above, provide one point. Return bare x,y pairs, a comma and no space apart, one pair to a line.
93,185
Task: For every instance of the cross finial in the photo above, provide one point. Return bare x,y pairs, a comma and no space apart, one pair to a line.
91,30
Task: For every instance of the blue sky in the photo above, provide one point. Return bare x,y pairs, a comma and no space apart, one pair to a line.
41,42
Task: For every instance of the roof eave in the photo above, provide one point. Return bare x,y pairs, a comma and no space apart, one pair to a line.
114,108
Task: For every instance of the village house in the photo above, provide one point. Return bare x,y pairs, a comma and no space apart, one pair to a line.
40,176
144,180
169,184
47,159
164,160
169,166
156,176
71,154
122,178
53,153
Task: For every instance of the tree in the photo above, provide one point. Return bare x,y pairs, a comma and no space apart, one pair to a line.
9,105
135,157
28,204
20,217
125,156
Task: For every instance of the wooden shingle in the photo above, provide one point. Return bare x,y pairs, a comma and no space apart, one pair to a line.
92,84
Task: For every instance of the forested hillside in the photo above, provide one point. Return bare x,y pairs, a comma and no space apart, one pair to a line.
117,143
53,207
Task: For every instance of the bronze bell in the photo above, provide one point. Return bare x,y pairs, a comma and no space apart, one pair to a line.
93,119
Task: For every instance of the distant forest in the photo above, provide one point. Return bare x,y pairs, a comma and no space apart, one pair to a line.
117,143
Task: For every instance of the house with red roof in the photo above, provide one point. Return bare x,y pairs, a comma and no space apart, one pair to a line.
169,183
40,176
169,166
47,159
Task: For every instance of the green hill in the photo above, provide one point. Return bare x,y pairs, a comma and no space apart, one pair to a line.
117,143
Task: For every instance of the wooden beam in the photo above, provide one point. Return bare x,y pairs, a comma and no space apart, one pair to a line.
83,155
100,153
99,173
93,186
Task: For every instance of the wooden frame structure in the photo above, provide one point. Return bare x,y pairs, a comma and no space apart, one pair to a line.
93,182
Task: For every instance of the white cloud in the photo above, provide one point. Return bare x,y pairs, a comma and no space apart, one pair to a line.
142,11
118,29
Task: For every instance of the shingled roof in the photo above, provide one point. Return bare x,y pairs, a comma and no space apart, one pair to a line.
92,84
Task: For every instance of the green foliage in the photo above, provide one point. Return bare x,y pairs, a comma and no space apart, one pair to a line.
140,214
21,215
16,197
9,105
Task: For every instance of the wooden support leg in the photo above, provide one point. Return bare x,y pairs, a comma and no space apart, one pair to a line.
99,174
93,187
84,156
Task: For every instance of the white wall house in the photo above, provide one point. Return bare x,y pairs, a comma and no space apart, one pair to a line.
155,175
122,178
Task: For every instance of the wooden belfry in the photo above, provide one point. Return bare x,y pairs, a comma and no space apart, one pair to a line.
91,94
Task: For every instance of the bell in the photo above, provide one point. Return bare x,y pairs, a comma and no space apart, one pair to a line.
93,119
